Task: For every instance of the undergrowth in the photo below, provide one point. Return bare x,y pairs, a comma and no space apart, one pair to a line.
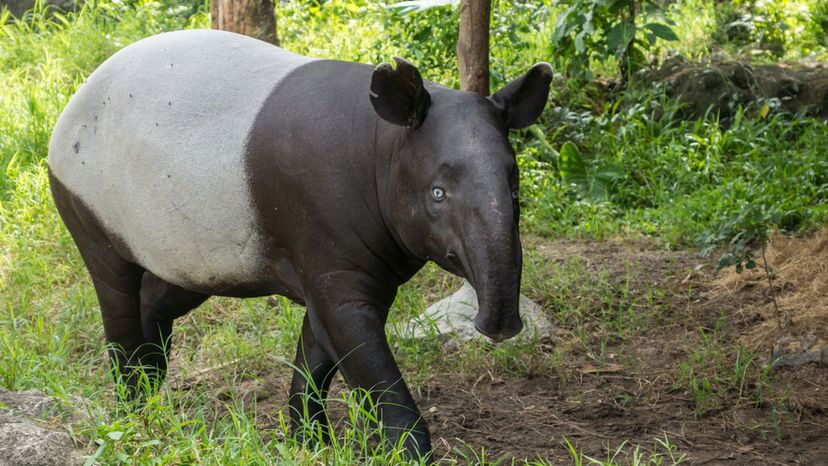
639,168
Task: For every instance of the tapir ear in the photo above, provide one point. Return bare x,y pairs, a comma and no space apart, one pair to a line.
523,99
398,95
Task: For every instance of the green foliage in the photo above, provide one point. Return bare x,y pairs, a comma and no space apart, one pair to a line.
426,38
663,452
776,28
745,230
410,6
695,36
593,179
683,181
818,27
593,30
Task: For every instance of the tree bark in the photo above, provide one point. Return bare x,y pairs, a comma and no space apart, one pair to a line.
473,45
627,65
254,18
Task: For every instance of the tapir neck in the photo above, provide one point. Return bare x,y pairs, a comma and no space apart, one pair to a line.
318,135
387,141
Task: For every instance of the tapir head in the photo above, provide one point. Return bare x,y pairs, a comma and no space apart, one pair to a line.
451,183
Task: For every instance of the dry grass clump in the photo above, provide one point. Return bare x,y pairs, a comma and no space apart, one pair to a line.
799,268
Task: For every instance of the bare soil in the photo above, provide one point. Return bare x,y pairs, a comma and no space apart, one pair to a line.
634,394
722,86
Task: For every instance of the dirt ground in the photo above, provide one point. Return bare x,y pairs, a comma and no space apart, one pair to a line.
636,401
633,396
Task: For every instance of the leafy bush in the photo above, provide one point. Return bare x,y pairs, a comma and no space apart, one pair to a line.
778,28
591,30
638,167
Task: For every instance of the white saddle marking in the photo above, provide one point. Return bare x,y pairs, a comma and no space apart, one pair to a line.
154,144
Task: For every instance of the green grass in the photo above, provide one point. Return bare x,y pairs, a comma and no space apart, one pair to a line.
720,369
662,452
679,181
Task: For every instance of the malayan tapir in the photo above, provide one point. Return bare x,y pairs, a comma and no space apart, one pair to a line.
200,163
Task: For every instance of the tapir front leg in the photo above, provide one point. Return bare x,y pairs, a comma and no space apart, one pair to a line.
355,332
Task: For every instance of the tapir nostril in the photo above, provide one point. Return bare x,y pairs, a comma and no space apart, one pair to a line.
454,264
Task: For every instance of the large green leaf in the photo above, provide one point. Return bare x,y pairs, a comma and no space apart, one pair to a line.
579,42
610,172
662,31
591,183
620,36
616,6
572,167
574,172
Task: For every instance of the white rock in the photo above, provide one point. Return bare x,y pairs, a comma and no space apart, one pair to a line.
801,350
454,316
24,442
25,439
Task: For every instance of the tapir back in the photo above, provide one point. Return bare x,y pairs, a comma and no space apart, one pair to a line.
153,144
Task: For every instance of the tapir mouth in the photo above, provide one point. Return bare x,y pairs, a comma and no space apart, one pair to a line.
500,334
498,315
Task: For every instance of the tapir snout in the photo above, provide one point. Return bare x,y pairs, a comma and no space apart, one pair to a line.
495,274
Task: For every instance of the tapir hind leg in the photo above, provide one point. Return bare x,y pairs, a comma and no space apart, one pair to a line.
161,303
117,284
312,375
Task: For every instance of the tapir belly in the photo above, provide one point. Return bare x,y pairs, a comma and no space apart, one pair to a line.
154,143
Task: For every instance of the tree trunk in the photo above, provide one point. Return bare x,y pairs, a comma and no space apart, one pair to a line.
473,45
627,62
254,18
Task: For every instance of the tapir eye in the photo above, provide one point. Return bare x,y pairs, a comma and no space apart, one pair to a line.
515,194
438,193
